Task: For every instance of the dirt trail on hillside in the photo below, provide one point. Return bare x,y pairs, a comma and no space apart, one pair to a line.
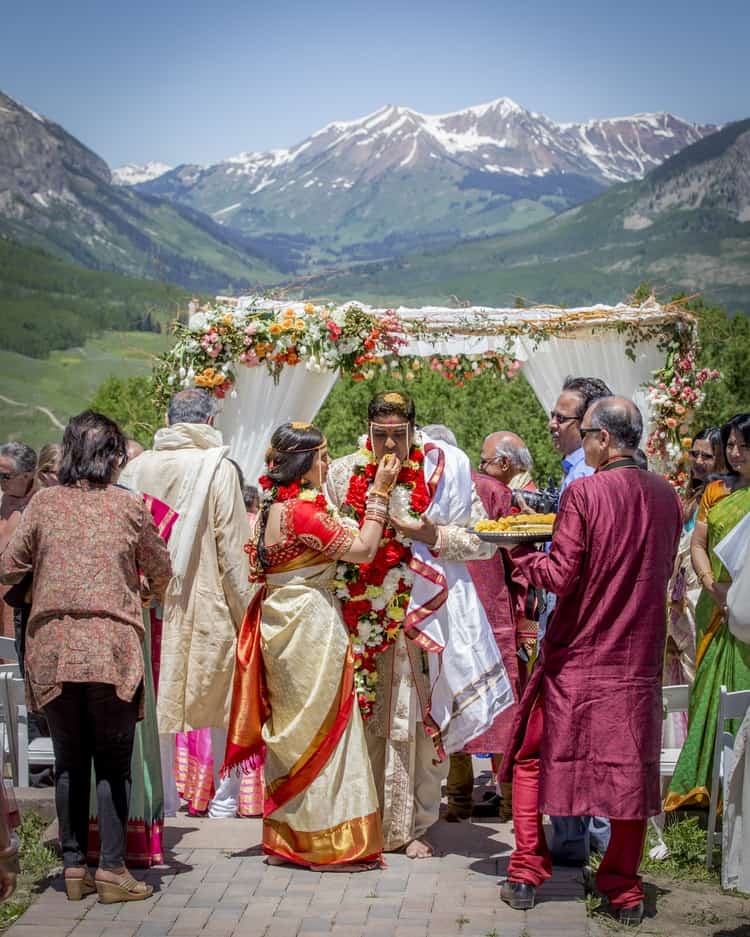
34,406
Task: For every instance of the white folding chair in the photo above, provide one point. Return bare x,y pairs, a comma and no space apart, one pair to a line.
731,706
23,753
675,699
8,648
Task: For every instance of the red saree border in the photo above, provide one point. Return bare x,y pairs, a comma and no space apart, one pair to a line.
312,762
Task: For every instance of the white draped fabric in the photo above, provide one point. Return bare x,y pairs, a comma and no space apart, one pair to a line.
735,859
601,355
248,420
470,685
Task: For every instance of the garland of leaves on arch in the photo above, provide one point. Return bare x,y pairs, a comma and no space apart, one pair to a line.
223,339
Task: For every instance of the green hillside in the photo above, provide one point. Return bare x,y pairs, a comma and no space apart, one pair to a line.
48,304
65,330
66,382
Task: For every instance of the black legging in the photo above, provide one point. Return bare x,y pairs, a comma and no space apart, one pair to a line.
89,723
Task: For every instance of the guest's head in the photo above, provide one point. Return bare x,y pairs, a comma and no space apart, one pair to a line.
93,450
440,432
578,393
251,498
133,448
705,457
298,453
391,417
17,467
48,465
735,438
611,427
504,455
193,405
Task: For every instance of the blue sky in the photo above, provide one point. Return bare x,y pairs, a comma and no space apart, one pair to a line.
196,82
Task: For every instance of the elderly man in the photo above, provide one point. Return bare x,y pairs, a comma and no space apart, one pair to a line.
432,675
17,467
209,592
506,458
504,463
590,733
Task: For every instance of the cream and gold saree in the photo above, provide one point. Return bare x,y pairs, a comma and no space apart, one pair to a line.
294,693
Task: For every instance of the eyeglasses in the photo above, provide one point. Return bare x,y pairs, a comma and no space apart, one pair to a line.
589,429
561,418
6,476
489,461
700,456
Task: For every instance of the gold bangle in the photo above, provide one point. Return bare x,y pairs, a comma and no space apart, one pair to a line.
378,493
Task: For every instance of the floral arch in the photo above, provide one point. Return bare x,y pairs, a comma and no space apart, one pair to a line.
271,361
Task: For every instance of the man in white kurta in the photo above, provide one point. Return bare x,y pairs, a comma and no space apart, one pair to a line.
209,592
442,681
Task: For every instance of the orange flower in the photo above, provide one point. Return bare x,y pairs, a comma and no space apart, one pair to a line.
227,320
206,378
309,309
299,325
289,313
276,329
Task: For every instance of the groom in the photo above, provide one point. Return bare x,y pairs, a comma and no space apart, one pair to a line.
429,675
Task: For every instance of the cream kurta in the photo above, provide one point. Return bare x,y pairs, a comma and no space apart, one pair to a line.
201,623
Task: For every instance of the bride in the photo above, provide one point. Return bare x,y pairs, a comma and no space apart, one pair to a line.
294,680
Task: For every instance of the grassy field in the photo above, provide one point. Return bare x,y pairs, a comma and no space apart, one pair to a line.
65,382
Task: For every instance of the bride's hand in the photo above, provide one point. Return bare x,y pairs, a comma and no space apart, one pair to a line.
387,473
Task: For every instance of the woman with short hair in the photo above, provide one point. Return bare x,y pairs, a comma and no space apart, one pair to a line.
95,554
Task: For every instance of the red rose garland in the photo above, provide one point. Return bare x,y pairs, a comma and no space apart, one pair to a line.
373,629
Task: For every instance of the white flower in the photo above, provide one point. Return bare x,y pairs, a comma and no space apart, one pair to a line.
190,374
339,315
170,380
198,322
183,373
363,630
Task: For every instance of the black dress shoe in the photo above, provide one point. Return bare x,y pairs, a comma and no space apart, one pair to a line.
518,895
631,917
490,807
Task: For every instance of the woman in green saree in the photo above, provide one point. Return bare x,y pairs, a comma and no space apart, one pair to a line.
721,659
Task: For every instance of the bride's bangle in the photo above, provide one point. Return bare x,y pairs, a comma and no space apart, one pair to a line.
379,494
706,574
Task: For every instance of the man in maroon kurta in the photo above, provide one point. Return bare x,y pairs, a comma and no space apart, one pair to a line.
489,578
587,739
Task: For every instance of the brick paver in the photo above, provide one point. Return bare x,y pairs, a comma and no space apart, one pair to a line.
216,884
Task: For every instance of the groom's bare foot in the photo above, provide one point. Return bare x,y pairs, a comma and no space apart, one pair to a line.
419,849
275,860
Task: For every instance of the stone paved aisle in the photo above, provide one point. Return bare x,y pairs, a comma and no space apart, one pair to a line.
216,884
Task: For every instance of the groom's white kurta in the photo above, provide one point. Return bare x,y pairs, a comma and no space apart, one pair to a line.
460,684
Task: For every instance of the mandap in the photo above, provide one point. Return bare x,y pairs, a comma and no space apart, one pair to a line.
271,360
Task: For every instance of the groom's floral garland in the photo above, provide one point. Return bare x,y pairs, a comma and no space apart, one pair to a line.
374,596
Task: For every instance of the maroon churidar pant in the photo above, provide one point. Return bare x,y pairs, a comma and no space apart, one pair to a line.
617,878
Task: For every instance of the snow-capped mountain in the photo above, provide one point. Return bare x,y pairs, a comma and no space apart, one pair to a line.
133,174
397,178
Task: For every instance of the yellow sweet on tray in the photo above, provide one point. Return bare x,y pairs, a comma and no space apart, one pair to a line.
518,524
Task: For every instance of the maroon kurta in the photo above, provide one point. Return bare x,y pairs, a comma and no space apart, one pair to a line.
612,554
489,580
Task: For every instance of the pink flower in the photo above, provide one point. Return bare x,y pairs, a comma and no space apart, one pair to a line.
334,330
251,329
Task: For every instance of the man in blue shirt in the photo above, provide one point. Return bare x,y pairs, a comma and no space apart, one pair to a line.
573,837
